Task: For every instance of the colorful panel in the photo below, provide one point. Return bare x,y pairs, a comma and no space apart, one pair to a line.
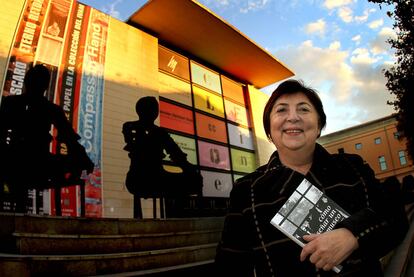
187,145
237,176
176,118
243,161
208,102
240,136
173,63
174,89
232,90
213,155
216,184
236,113
204,77
211,128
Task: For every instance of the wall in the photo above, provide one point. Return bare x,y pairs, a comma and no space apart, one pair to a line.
265,148
226,115
131,72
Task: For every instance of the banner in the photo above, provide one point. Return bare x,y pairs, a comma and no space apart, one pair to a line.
25,46
70,39
90,106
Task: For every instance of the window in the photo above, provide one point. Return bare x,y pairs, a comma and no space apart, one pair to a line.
397,135
403,159
358,146
341,150
382,163
377,140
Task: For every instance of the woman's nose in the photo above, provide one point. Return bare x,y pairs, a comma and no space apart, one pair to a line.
293,116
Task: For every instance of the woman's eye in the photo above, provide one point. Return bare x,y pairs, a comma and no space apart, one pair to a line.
304,109
280,110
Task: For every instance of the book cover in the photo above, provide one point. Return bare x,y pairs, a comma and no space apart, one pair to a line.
308,211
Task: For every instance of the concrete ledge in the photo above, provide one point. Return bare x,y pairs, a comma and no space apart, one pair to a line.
401,256
87,265
22,223
38,244
171,270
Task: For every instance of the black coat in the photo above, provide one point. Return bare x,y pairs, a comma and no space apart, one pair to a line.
251,244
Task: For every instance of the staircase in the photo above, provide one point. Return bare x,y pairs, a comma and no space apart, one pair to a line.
33,245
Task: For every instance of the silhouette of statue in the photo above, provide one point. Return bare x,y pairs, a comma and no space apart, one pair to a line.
25,137
145,143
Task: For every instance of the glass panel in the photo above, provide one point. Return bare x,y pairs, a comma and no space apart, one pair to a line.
240,136
173,63
211,128
236,113
176,118
243,161
204,77
216,184
208,102
213,155
174,89
232,90
187,145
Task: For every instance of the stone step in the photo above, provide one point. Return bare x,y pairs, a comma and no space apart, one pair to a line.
38,244
102,264
19,223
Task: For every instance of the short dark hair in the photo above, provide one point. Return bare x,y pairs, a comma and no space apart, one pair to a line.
147,107
290,87
37,79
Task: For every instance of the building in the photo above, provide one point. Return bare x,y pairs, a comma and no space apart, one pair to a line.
379,144
205,74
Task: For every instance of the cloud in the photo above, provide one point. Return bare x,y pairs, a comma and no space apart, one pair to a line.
376,23
111,9
362,56
254,5
380,45
332,4
364,17
357,39
241,6
345,13
318,27
335,45
352,93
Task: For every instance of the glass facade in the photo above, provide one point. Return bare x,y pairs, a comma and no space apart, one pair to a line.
206,114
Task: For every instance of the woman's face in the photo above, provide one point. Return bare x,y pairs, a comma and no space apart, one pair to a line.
294,123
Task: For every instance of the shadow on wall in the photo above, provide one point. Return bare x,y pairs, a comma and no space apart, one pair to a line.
118,107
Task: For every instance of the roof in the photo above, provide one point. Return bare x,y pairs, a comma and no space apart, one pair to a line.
192,28
358,129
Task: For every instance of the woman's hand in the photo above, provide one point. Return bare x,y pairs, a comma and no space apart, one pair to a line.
329,249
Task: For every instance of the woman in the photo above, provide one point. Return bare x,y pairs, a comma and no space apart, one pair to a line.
293,119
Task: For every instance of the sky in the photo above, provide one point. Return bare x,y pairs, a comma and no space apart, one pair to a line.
337,47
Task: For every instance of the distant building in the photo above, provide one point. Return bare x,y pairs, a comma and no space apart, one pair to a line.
377,142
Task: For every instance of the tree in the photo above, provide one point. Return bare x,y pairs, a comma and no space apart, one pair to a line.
400,77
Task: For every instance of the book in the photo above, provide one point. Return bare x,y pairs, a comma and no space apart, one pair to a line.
308,211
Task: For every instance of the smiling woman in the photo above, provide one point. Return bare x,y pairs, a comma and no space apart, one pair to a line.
293,119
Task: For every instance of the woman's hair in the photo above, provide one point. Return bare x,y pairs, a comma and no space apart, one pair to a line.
291,87
37,79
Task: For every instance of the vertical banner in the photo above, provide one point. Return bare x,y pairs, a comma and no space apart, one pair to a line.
25,44
90,106
70,39
67,92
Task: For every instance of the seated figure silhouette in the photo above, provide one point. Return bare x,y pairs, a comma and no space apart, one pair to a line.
25,137
146,143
